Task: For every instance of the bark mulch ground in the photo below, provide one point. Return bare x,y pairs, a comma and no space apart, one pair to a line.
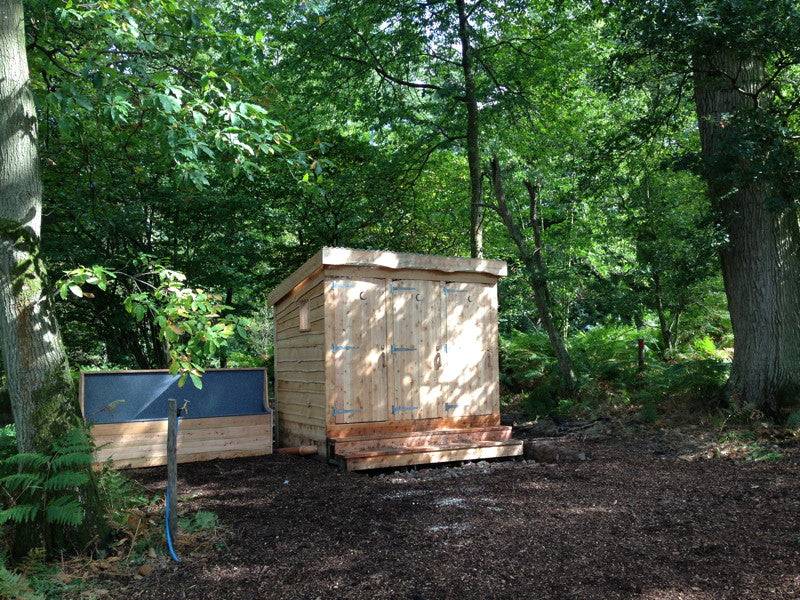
635,520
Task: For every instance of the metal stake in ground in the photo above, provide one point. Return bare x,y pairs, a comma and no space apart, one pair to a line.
172,468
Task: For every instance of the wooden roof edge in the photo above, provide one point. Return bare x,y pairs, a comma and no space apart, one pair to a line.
301,274
333,256
403,260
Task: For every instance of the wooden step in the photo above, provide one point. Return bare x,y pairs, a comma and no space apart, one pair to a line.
401,456
420,438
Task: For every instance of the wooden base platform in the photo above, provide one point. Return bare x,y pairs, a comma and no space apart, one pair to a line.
423,447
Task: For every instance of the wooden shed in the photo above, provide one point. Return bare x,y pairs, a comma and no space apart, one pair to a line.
385,359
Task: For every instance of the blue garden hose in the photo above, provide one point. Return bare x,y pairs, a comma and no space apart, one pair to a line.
167,502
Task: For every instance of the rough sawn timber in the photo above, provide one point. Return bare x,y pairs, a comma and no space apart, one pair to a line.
395,360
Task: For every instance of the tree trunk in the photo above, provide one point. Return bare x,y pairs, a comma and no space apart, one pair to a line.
223,354
761,259
473,147
39,383
534,265
663,323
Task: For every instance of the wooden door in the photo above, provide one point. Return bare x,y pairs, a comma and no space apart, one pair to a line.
415,342
469,374
357,335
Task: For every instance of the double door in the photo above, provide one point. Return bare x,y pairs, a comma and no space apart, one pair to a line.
411,349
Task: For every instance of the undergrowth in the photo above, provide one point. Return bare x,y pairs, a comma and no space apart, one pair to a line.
44,496
609,381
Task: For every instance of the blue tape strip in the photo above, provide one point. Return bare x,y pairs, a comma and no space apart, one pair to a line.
343,411
396,409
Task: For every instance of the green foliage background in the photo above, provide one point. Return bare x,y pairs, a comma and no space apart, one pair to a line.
229,140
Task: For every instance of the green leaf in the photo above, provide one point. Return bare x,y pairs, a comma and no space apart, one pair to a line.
66,479
197,381
73,459
76,289
21,513
170,104
17,481
27,459
65,510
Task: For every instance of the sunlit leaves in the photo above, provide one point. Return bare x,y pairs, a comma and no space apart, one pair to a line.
190,320
172,71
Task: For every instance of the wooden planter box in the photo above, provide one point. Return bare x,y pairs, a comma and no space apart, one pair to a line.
385,359
230,417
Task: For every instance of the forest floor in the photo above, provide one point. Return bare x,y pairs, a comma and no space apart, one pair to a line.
645,513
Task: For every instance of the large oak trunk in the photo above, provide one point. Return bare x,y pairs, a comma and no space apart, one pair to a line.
761,258
39,384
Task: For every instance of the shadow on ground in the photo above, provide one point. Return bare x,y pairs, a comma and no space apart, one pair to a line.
632,522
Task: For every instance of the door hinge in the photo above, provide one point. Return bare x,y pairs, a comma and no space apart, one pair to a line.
448,290
335,347
402,349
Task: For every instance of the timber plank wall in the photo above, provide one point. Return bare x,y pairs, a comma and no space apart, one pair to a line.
126,410
376,343
300,365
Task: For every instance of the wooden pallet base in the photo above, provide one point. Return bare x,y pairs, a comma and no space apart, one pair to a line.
421,438
420,448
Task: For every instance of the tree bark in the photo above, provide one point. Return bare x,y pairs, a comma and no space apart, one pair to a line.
39,383
761,259
663,324
223,354
473,132
535,267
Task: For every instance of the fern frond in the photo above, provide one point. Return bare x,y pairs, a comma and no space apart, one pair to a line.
73,459
21,513
65,480
72,441
64,510
14,585
18,481
27,459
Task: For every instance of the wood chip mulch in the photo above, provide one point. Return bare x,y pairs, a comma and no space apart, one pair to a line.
633,521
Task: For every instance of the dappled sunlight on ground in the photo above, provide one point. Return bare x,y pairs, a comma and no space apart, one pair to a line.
629,523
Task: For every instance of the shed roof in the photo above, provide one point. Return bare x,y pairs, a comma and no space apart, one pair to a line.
383,259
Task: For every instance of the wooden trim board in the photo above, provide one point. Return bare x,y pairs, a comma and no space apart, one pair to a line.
377,429
383,259
143,443
397,457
